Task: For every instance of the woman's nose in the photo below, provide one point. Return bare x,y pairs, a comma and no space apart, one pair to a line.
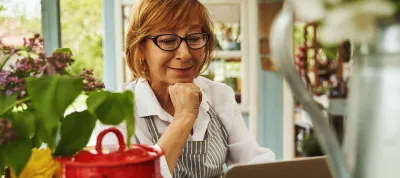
183,52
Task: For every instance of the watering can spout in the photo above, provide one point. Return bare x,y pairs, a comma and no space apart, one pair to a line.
282,54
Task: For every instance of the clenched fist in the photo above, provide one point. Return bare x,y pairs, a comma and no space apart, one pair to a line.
186,98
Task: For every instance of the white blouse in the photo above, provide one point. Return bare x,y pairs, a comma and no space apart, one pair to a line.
242,146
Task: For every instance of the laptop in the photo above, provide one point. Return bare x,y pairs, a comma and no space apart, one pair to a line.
309,167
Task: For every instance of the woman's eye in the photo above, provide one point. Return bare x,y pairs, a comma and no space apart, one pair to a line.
194,39
168,41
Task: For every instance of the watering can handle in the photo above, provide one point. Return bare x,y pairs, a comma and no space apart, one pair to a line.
282,54
120,138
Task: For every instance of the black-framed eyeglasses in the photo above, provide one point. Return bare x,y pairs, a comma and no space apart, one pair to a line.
170,42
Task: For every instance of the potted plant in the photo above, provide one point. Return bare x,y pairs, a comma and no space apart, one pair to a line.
38,118
310,145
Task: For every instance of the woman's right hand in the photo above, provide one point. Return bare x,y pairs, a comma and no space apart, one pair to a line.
186,98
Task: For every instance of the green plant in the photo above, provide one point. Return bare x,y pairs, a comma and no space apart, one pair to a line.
35,92
311,146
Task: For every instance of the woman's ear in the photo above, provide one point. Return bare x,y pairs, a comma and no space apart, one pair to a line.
142,47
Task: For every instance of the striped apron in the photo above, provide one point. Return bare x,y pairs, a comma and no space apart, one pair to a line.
200,159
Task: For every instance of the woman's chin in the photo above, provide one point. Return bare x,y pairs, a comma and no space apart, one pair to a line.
183,80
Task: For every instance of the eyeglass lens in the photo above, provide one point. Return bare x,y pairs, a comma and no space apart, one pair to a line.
171,42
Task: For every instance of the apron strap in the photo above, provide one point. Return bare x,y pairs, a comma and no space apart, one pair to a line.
213,113
137,139
152,128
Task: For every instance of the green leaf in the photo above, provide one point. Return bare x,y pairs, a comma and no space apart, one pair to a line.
105,107
2,166
7,103
76,130
50,97
95,99
113,108
63,50
36,141
2,8
129,99
24,123
18,154
331,51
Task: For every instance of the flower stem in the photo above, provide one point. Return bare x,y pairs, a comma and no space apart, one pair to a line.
5,61
23,100
18,102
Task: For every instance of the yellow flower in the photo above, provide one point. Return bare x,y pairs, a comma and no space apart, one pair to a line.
40,165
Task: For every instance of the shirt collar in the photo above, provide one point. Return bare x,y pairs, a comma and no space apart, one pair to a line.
146,103
204,99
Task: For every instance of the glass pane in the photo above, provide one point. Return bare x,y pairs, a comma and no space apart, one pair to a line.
226,19
126,14
19,19
82,31
226,70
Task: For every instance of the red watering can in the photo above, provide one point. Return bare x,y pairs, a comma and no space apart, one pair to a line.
137,161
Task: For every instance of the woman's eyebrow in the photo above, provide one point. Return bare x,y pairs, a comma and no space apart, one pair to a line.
173,30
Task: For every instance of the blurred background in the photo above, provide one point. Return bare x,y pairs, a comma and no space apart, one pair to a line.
81,26
95,31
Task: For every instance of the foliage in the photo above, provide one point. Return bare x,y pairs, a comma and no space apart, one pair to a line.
311,146
35,92
81,31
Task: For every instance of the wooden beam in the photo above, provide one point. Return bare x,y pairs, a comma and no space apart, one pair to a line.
270,86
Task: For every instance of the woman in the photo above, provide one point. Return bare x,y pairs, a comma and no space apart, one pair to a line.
195,121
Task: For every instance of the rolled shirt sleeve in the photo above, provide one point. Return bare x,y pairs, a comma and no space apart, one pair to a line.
242,147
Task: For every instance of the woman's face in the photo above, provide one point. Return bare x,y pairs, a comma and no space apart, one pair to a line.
178,66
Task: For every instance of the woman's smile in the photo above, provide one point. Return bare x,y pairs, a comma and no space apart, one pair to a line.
181,70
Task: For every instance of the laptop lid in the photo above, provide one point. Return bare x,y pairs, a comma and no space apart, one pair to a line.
310,167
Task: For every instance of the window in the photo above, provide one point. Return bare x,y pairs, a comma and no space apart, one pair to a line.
82,31
19,19
126,13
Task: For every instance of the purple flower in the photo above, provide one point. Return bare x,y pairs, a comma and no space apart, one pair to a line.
49,70
22,94
25,42
9,92
3,77
90,83
24,65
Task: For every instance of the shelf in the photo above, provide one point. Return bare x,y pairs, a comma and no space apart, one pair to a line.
228,54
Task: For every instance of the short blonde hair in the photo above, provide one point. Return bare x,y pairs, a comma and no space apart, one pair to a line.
150,16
